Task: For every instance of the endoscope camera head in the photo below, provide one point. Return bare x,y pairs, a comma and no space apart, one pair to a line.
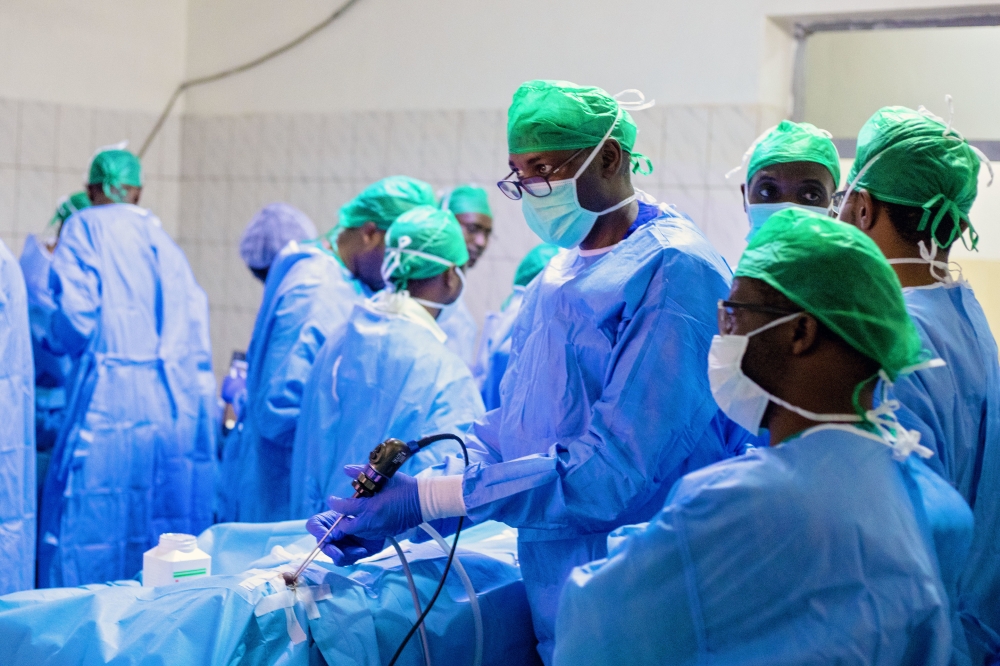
383,462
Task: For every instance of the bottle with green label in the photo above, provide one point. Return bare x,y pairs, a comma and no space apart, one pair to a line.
175,559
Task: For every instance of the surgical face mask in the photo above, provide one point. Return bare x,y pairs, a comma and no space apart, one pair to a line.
741,398
759,213
559,218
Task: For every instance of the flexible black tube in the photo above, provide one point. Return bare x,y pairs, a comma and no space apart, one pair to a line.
426,441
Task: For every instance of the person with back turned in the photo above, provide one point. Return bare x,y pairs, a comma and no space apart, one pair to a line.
135,455
911,189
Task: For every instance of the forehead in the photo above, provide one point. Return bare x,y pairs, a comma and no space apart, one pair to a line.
478,220
795,173
751,290
524,161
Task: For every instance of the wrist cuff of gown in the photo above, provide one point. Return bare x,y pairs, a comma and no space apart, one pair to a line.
441,496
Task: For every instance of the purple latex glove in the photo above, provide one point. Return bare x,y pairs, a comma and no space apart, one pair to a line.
234,383
367,520
392,511
347,550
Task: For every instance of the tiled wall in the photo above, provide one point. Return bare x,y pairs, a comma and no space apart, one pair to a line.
231,166
45,150
207,176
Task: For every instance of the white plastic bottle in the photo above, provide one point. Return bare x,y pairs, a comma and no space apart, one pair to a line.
174,560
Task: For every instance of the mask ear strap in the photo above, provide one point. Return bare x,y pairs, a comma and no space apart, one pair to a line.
639,104
853,185
442,306
929,257
776,322
392,260
597,148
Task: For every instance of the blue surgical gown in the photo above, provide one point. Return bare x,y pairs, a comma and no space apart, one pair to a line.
459,325
957,411
17,432
605,402
494,349
53,372
389,374
822,550
307,297
135,455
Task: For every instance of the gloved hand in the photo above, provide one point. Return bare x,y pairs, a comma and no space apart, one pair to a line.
233,384
347,550
395,509
367,520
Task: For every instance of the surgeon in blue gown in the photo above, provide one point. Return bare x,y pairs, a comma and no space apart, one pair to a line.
310,291
390,373
494,348
53,372
836,544
471,207
605,403
269,233
923,165
17,432
135,454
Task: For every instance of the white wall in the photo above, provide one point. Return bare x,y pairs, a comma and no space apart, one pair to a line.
457,54
109,54
75,76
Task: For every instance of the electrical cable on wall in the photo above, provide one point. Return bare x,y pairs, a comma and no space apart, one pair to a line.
226,73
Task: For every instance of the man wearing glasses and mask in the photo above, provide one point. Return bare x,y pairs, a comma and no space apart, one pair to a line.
605,402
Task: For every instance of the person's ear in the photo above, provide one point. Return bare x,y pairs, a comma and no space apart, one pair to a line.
136,194
864,211
805,335
611,158
743,193
373,236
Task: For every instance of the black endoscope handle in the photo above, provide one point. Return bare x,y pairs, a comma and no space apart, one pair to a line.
383,463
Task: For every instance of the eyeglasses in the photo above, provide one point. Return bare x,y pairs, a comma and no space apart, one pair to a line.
727,313
536,186
837,201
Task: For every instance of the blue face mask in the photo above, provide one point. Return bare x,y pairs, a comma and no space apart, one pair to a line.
759,213
559,218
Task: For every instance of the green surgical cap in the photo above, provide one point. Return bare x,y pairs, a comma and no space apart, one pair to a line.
533,263
558,115
417,233
795,142
69,205
467,199
113,169
836,273
383,201
918,162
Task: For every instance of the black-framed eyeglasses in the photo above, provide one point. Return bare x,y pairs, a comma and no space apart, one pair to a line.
536,186
837,200
727,312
